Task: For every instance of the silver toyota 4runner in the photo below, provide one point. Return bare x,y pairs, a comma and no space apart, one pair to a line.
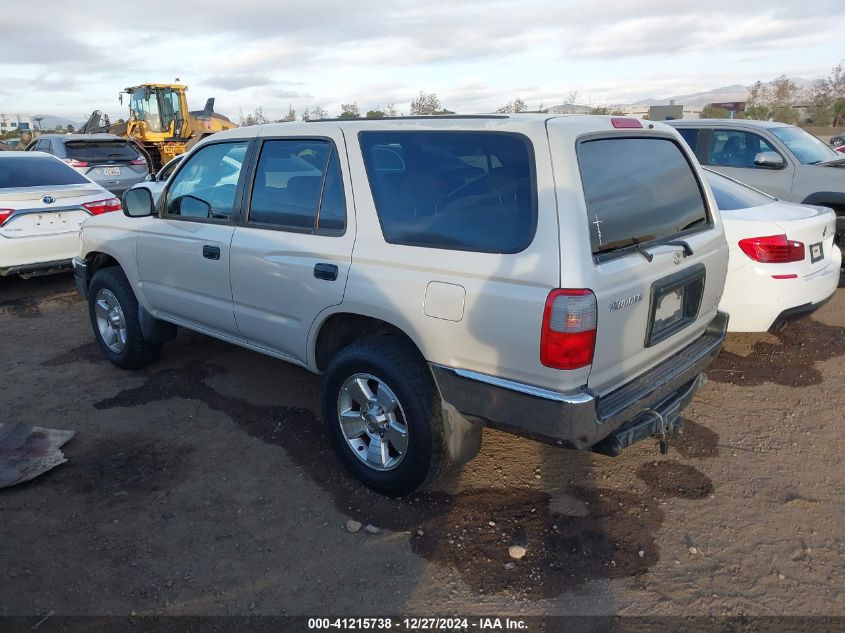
555,277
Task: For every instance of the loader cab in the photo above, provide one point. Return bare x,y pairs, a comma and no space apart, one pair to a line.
159,107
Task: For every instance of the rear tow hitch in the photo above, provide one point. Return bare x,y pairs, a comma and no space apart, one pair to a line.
663,422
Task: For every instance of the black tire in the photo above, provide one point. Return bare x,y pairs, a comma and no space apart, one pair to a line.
137,352
399,365
836,141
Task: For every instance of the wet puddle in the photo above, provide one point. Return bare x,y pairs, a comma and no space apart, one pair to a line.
572,535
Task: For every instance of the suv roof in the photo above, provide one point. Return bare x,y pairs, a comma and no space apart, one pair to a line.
103,136
488,122
750,123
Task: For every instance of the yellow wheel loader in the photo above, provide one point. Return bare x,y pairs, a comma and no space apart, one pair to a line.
160,122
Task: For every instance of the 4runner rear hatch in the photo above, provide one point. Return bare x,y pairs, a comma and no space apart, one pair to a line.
651,247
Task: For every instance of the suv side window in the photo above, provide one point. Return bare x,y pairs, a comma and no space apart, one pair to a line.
736,148
470,191
299,187
204,188
690,135
43,145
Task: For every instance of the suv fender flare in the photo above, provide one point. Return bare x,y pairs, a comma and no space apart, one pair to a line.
825,198
463,436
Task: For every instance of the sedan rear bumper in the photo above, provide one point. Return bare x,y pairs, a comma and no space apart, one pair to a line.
37,255
582,419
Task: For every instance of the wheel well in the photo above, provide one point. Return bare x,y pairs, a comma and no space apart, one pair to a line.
343,329
98,261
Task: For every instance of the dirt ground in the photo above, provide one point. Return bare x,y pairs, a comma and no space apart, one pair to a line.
205,485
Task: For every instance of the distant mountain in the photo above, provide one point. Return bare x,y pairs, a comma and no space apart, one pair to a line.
736,92
50,122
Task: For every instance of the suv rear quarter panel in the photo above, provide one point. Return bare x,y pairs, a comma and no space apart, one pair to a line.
498,329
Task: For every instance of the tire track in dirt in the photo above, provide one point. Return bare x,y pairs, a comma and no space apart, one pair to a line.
471,530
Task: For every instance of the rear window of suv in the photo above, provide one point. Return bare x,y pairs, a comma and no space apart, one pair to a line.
638,190
471,191
101,151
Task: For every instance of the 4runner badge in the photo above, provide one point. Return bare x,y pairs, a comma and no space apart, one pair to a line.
624,303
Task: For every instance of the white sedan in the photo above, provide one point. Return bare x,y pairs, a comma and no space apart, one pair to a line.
783,262
43,202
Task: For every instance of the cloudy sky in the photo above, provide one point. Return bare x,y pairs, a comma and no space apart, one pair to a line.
476,55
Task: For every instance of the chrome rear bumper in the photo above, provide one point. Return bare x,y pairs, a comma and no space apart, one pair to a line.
582,418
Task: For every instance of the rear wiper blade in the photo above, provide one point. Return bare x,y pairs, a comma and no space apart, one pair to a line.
687,248
642,251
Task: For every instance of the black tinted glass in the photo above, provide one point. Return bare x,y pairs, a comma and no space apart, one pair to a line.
333,204
732,195
690,136
735,148
288,182
100,151
638,190
37,171
457,190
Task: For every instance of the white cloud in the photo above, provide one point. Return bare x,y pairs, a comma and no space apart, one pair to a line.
476,54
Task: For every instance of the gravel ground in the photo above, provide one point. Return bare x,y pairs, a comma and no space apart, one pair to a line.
204,485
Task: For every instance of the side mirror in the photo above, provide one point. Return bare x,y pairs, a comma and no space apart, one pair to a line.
191,207
138,203
769,160
150,178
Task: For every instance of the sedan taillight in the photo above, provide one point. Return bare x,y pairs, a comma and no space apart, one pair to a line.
5,214
103,206
773,249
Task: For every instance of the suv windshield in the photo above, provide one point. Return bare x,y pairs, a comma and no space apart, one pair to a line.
806,147
731,195
101,151
38,171
638,190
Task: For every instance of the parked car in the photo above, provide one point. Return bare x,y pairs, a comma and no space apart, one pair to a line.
113,162
557,277
43,202
838,140
782,160
783,262
155,183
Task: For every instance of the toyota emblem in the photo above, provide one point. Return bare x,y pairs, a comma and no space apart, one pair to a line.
48,199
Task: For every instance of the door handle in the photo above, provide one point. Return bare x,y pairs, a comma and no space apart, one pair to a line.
211,252
325,271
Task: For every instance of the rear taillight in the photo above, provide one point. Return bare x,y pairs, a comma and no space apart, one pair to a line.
103,206
76,163
138,161
772,249
5,214
569,329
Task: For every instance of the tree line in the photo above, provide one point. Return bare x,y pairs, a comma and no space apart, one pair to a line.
782,100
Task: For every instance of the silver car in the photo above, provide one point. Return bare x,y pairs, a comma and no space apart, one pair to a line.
113,162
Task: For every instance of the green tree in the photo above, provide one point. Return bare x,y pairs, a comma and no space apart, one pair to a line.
517,105
253,118
712,112
375,114
349,111
427,103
